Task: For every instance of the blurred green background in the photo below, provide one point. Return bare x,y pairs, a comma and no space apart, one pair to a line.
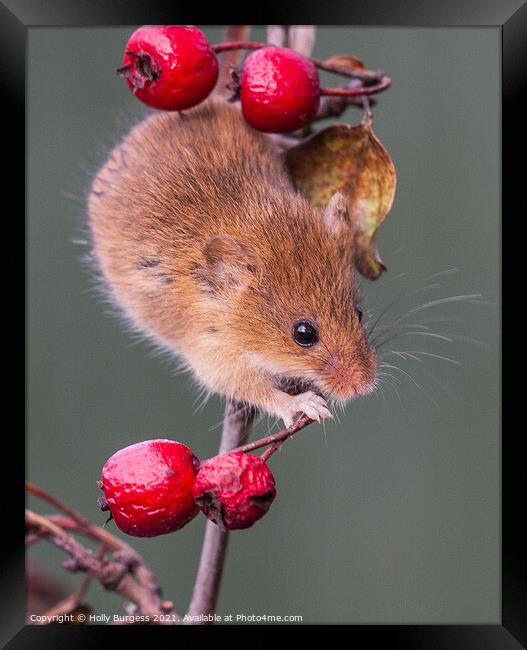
392,514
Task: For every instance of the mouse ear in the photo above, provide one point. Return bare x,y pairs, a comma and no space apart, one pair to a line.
228,262
336,217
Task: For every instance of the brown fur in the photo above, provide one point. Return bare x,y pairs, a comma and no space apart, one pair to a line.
207,246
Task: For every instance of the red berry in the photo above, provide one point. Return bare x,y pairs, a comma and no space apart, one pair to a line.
148,487
280,90
170,67
234,490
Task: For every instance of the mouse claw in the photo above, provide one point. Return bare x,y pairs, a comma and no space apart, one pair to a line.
309,403
325,413
288,420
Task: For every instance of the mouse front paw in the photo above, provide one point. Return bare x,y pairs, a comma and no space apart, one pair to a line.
308,403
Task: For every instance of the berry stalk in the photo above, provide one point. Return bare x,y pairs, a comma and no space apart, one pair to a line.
335,68
276,438
383,84
237,45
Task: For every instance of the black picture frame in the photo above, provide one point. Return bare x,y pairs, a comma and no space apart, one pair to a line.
510,17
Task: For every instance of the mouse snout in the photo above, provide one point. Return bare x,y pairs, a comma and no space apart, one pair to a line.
345,378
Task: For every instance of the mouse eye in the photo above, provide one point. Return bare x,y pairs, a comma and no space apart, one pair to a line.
305,333
360,312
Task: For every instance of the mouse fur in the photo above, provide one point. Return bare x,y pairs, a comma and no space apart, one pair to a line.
204,242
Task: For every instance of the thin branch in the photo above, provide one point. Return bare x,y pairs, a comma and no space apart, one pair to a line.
69,604
278,437
271,450
74,600
113,575
133,558
369,77
236,426
32,538
45,496
330,106
335,105
139,583
383,84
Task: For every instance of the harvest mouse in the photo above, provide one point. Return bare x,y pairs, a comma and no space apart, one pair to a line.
206,245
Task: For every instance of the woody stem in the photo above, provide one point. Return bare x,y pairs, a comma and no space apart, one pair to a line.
236,426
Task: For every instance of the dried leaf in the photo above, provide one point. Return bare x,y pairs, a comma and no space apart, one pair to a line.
349,159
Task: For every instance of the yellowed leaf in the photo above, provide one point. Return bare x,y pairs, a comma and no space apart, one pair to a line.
349,159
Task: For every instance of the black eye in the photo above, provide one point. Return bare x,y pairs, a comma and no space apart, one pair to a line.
360,313
305,333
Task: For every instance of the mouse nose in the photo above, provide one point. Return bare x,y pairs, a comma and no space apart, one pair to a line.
355,376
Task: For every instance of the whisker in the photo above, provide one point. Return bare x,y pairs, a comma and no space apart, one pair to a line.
324,431
370,331
398,334
406,356
469,298
201,399
414,382
242,408
426,354
373,342
441,273
443,319
389,385
381,385
446,336
469,339
440,383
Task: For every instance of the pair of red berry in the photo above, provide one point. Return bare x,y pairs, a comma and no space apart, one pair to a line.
173,67
158,486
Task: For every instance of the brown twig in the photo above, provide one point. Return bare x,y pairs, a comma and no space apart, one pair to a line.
236,426
280,436
334,106
136,562
383,84
114,575
74,600
330,106
304,40
237,45
138,583
32,538
45,496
